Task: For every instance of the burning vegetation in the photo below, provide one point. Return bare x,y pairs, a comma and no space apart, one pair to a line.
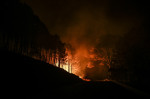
82,62
75,51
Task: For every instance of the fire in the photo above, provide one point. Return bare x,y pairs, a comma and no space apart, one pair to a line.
86,58
90,65
66,67
80,60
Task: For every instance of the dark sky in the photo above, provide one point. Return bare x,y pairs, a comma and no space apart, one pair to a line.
86,21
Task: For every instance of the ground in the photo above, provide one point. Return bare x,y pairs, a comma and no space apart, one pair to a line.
25,78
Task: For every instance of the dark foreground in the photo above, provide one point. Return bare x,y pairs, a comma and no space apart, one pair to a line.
101,90
25,78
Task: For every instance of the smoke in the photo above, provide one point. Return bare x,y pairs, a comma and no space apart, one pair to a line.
93,28
87,24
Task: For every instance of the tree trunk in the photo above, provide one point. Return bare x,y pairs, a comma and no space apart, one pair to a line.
59,62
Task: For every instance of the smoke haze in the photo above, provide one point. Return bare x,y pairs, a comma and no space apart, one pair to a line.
88,24
86,20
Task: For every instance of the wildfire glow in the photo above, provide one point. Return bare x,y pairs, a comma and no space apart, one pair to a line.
80,59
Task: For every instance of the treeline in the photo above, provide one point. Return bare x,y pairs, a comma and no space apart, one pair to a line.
131,57
21,31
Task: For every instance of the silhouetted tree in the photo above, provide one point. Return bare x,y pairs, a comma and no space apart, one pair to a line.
23,32
134,52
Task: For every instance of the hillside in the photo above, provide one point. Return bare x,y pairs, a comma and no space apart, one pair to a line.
26,77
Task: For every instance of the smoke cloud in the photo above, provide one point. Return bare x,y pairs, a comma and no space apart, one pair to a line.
88,23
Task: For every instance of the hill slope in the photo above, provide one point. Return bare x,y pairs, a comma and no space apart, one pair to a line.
26,77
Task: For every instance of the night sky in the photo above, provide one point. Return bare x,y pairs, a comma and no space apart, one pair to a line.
89,20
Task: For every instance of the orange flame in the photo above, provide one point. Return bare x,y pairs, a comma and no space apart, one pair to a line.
81,59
